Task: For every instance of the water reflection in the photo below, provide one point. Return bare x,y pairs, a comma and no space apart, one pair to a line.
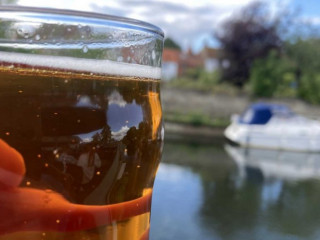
272,195
122,117
276,163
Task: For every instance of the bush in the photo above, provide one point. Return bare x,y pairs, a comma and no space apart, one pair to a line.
273,76
195,119
309,89
306,54
197,79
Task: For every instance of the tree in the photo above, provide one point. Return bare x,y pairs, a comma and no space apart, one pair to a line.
169,43
306,54
248,36
273,76
7,2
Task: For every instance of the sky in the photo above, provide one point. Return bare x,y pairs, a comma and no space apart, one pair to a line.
190,23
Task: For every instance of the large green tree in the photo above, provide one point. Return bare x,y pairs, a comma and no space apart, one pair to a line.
293,73
273,76
306,55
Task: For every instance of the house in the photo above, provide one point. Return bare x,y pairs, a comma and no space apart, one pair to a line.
211,58
176,63
170,63
190,60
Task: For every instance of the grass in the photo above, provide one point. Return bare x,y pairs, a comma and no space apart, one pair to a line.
213,88
196,119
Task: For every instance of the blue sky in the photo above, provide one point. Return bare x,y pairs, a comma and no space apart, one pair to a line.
309,7
189,22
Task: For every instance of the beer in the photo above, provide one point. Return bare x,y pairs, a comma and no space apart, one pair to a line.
89,143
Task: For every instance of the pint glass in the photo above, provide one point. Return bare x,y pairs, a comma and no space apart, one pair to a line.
80,125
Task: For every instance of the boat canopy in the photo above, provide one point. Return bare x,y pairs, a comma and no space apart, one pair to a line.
261,113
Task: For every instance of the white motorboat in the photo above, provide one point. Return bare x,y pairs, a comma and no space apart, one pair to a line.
274,126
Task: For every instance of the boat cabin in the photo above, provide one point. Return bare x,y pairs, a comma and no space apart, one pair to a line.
261,113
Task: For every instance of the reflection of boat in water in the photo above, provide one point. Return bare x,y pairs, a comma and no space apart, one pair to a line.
274,126
276,163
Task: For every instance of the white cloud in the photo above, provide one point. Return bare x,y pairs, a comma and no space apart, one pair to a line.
116,98
311,20
186,21
80,5
119,135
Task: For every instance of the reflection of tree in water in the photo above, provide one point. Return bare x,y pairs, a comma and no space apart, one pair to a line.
234,210
141,157
226,208
296,212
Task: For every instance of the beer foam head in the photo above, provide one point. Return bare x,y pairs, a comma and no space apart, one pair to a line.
82,65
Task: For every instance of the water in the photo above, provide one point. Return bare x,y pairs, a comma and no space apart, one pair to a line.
216,191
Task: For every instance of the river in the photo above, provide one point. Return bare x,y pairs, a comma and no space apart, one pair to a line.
219,192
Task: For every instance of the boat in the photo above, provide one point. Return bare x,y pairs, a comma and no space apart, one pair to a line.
274,126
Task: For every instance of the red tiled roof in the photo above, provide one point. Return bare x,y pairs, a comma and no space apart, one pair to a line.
171,55
209,52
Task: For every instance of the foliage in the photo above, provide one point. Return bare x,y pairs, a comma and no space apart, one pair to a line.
195,119
169,43
247,37
196,79
7,2
306,54
273,76
294,73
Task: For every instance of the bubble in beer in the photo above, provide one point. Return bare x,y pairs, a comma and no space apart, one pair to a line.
22,33
26,30
85,48
153,55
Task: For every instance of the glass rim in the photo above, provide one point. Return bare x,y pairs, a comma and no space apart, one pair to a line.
126,22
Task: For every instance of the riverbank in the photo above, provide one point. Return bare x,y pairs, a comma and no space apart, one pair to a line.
194,108
189,133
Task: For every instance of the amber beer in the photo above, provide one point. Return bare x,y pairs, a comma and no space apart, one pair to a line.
90,145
